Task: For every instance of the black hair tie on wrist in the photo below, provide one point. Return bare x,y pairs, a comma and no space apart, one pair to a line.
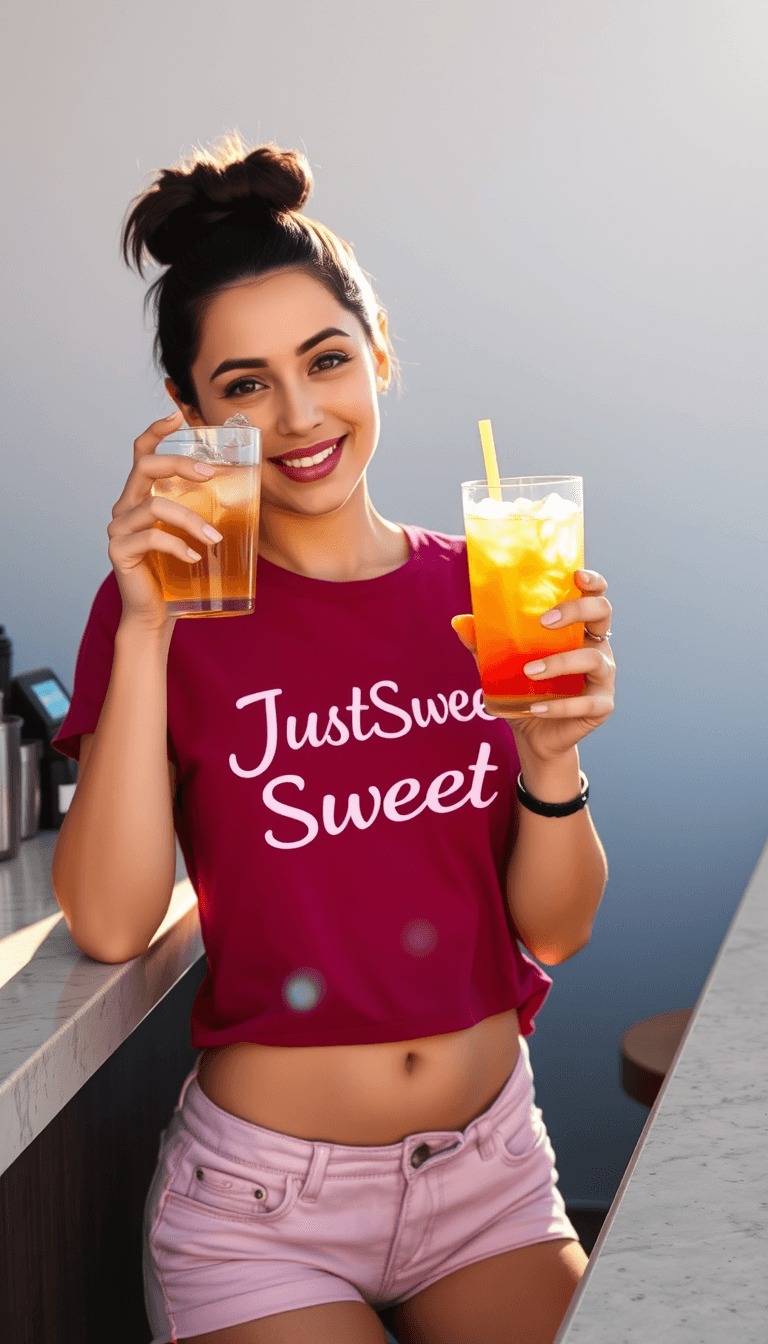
553,809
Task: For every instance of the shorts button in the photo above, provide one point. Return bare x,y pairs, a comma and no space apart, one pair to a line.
260,1192
420,1154
199,1174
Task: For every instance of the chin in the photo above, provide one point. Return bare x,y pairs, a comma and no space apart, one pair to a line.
326,498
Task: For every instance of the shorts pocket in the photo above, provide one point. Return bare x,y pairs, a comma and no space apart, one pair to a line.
215,1187
524,1134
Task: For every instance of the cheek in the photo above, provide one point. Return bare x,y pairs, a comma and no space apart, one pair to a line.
211,409
361,400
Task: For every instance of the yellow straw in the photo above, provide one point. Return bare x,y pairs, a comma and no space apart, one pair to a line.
491,465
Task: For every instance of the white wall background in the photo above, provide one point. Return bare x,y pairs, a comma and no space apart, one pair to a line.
563,203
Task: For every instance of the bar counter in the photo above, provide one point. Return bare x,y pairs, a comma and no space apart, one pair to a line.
62,1014
682,1257
92,1057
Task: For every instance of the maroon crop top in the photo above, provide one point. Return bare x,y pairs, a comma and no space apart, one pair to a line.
343,805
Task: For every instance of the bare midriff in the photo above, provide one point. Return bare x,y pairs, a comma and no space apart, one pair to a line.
365,1094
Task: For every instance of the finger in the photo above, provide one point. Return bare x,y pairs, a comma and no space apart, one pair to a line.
592,707
157,509
589,581
593,611
128,551
149,468
465,629
148,441
592,662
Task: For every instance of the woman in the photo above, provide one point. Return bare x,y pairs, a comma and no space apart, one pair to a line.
360,1130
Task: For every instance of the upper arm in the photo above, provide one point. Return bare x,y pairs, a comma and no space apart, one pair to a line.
86,745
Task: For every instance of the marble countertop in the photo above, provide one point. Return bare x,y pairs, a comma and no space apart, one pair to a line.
683,1255
62,1014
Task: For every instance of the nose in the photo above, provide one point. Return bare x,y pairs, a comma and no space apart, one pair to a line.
298,410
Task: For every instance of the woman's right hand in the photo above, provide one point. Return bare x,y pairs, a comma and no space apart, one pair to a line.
132,532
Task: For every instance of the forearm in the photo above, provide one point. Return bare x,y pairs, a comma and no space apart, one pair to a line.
114,864
557,871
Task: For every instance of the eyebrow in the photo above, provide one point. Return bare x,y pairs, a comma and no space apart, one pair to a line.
227,365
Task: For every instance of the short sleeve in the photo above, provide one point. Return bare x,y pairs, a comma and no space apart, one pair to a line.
92,669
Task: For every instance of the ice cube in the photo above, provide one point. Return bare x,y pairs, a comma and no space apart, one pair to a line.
204,449
500,508
536,592
237,441
192,495
555,508
487,508
233,488
202,453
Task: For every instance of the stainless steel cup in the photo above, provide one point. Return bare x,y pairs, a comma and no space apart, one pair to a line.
31,753
10,786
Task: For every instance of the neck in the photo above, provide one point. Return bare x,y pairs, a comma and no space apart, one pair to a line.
354,542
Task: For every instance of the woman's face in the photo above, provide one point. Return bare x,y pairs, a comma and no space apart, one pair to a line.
282,351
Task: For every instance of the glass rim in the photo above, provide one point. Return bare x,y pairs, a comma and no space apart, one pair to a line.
210,429
524,480
240,445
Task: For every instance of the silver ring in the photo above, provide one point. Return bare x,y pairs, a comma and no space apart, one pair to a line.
598,638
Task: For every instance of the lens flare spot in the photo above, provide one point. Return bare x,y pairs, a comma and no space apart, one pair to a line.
419,937
303,990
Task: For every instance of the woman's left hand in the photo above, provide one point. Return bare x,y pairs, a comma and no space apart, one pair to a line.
553,727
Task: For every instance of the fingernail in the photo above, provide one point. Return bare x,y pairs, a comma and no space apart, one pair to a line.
551,617
173,415
193,555
539,708
584,575
212,534
204,471
533,669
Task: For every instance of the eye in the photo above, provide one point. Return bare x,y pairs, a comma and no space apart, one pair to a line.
244,387
330,359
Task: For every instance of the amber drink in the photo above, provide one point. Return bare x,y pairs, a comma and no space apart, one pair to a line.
525,540
223,582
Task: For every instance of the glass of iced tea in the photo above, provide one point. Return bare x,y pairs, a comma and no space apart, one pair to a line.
525,539
223,582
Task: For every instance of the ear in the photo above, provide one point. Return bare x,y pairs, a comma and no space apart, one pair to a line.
190,413
381,356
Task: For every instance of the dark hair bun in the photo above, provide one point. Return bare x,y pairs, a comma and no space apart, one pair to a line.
227,182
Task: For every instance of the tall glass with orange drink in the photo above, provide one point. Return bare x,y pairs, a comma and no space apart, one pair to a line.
525,539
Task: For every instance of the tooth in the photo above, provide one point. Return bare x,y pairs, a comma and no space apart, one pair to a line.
307,461
313,461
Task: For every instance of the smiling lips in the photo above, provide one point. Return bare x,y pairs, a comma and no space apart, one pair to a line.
304,464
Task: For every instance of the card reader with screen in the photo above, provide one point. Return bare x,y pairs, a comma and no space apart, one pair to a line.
43,703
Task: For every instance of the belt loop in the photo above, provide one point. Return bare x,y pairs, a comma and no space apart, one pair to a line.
486,1139
316,1173
185,1087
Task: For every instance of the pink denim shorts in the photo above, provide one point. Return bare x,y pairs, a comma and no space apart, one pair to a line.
243,1222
